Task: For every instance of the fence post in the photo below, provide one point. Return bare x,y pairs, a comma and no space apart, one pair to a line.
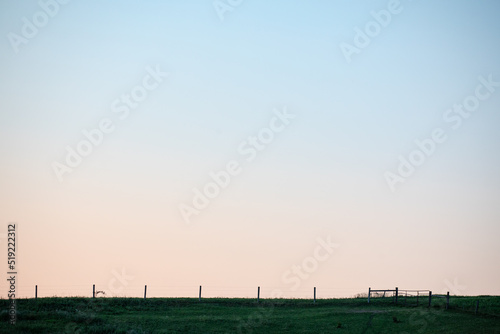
93,291
406,296
145,289
477,307
430,298
396,295
199,296
36,291
314,295
447,299
417,297
369,293
258,294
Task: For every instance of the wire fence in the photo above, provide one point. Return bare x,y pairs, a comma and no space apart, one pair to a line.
484,305
179,291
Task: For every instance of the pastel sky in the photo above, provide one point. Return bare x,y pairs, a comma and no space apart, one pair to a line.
233,144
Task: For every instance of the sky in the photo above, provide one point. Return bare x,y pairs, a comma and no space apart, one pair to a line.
234,144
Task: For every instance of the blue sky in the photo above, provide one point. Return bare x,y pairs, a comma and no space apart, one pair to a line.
323,175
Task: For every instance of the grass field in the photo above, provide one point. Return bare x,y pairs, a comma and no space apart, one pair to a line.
169,315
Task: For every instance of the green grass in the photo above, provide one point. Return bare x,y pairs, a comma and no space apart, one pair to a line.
182,315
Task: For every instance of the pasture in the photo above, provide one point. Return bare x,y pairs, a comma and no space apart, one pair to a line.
224,315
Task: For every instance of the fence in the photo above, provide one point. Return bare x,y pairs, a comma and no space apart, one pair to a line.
397,293
398,296
416,295
156,289
95,292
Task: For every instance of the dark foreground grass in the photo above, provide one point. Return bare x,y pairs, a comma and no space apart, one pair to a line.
169,315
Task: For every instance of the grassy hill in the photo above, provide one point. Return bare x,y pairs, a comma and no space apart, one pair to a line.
169,315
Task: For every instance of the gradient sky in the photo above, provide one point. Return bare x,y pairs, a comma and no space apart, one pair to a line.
323,175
